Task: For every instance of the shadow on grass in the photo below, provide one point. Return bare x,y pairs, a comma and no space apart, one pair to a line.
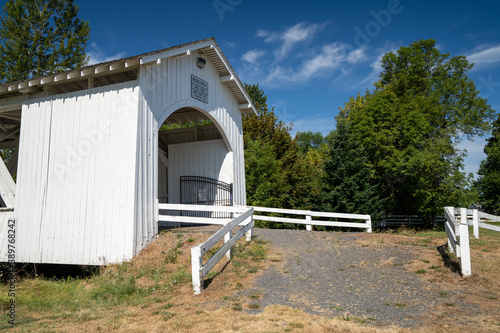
49,271
208,281
450,261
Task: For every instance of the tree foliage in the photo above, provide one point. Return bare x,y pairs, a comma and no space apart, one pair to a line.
410,125
309,140
278,174
40,37
489,172
348,179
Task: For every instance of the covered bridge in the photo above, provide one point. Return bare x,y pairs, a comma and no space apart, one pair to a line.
96,149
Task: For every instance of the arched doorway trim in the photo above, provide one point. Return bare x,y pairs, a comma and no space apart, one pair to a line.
198,106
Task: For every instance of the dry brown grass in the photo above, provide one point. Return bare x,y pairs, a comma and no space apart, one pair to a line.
170,306
441,270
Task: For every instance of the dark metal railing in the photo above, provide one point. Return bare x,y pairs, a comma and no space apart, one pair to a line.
196,190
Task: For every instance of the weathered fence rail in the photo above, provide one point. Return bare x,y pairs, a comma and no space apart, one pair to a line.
458,236
200,270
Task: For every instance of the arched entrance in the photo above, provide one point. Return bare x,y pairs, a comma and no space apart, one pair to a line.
192,146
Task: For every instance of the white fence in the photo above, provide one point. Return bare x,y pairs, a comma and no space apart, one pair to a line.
458,236
200,270
345,220
245,217
309,222
477,219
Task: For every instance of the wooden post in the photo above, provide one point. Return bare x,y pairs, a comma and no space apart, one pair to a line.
308,225
369,224
464,244
475,223
248,234
196,264
227,237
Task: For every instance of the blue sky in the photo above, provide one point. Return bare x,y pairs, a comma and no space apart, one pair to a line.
308,56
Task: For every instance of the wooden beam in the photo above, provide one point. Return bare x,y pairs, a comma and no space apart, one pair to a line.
7,186
244,106
182,55
102,69
45,80
33,83
11,117
226,78
162,145
61,77
163,157
75,74
12,165
90,82
88,71
117,65
29,90
9,144
151,62
131,63
9,133
22,85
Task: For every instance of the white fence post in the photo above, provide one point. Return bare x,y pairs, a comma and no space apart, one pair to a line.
464,244
227,237
369,224
196,264
475,223
308,222
248,234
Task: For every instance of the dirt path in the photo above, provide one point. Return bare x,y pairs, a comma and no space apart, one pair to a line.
356,276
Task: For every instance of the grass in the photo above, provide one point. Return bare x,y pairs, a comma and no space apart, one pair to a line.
157,281
152,293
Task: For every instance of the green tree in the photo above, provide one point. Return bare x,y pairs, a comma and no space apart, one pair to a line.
348,178
277,173
265,181
488,183
309,140
410,125
40,37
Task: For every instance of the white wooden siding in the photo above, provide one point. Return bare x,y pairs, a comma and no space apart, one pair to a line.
166,88
205,158
76,177
5,216
7,186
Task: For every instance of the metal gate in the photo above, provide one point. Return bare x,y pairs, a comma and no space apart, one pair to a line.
196,190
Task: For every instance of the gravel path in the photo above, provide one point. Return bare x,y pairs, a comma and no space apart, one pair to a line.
332,274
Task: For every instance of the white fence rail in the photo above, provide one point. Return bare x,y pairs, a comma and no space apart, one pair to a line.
200,270
198,208
458,236
245,218
479,220
345,220
309,222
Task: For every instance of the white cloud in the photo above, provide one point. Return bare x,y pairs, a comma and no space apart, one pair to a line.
301,32
96,56
295,55
330,58
253,56
485,57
